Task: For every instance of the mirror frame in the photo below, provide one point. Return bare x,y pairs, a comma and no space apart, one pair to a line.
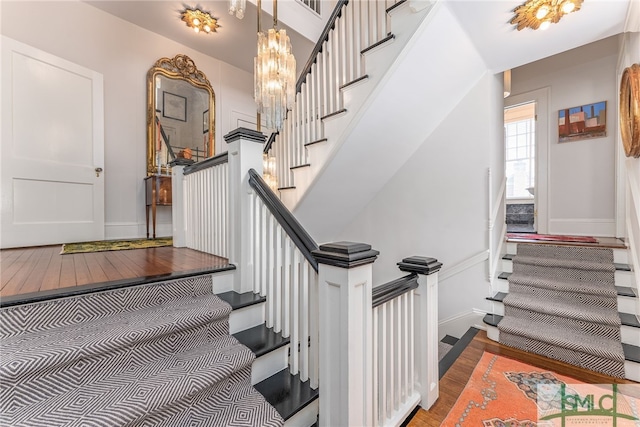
181,67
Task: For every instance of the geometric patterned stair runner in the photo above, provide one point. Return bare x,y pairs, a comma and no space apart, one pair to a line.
158,355
562,303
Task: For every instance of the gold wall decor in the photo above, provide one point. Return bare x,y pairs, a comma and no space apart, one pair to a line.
630,110
180,114
542,13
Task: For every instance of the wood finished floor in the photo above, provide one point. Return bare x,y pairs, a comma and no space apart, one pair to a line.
35,269
453,382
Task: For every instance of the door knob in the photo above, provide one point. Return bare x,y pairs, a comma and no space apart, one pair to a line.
98,170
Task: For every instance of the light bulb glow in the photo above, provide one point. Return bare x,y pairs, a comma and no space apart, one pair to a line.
199,21
542,11
196,21
568,6
544,25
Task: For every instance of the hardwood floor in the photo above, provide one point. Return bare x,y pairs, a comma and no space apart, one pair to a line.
38,269
454,381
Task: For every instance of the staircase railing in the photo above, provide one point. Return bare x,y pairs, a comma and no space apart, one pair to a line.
336,62
378,346
202,212
285,271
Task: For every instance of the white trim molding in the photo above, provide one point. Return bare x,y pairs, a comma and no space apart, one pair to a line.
463,265
604,227
458,324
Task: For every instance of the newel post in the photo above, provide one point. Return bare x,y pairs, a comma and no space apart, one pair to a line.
426,325
178,205
245,152
344,287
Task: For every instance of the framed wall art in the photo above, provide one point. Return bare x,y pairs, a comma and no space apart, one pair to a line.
583,122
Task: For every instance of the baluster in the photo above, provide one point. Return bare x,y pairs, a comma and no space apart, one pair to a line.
286,287
398,353
412,377
307,118
344,51
255,242
376,368
384,375
324,83
304,321
295,314
270,269
381,18
357,37
263,250
314,321
277,281
209,217
313,107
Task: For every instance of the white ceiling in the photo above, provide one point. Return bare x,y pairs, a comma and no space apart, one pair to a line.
503,47
235,40
486,22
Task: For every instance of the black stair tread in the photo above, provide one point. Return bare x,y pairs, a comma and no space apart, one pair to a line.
631,352
455,351
508,256
622,267
286,393
629,319
448,339
504,275
492,319
625,291
261,340
236,300
499,297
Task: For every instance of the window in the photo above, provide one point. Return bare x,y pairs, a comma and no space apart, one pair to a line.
519,131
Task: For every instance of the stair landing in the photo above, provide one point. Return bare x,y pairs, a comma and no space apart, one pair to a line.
603,242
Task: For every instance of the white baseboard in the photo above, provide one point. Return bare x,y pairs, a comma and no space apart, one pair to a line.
457,325
605,227
134,230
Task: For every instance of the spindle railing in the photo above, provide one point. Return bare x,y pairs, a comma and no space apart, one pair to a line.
206,205
335,62
285,272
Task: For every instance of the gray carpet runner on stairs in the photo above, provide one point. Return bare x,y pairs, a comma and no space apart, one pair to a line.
153,355
562,303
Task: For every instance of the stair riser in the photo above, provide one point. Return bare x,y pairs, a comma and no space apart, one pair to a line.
223,281
269,364
625,304
306,417
619,255
622,278
247,317
632,369
629,334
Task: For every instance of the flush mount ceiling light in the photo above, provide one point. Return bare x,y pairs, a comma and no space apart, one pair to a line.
542,13
200,21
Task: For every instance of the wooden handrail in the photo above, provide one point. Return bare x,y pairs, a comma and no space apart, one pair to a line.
391,290
285,218
331,23
209,163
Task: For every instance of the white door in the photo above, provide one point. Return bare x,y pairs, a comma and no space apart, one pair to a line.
52,149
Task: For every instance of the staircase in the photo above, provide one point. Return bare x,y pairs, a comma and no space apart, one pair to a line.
158,353
335,126
627,306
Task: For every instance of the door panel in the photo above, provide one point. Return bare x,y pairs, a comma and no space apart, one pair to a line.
52,143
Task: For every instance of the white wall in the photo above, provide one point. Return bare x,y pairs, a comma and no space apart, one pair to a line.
581,174
123,53
436,204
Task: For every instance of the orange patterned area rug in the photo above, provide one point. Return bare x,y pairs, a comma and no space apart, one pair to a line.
506,393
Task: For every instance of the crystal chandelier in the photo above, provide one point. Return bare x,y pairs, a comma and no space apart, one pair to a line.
237,7
275,74
542,13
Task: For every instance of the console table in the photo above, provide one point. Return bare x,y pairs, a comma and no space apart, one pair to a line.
157,193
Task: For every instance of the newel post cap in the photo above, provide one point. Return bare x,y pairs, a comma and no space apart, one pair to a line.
420,265
345,254
244,133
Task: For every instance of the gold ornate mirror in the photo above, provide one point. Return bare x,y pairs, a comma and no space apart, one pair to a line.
180,114
630,110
